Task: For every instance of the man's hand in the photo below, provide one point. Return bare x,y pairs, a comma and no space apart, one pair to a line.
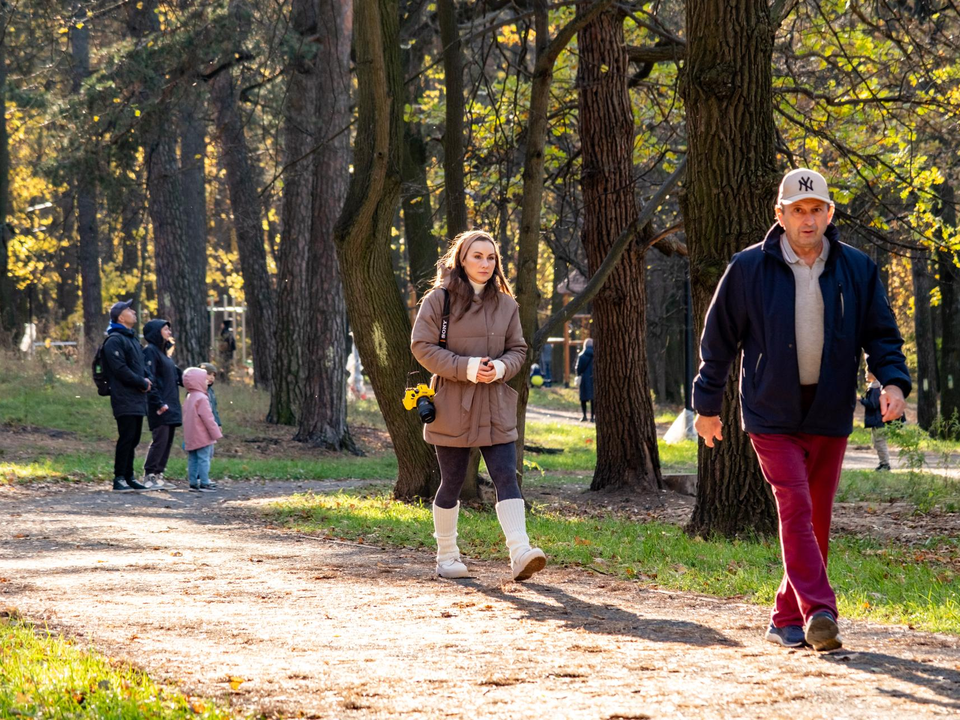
892,403
149,385
162,410
487,372
709,427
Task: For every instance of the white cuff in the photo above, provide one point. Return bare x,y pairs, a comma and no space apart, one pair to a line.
473,366
500,368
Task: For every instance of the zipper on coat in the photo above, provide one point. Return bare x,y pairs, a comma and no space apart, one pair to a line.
840,287
757,368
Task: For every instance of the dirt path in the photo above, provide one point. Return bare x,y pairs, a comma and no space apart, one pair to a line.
197,589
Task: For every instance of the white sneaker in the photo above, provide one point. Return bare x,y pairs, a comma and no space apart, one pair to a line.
528,563
151,482
452,569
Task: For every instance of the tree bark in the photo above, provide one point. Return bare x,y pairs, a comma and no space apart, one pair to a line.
193,150
68,257
627,454
300,134
926,384
8,314
453,155
377,312
245,203
727,205
949,316
327,344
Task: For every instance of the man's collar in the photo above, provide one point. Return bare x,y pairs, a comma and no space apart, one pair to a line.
791,257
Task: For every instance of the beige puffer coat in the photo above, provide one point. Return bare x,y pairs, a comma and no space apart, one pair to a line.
470,414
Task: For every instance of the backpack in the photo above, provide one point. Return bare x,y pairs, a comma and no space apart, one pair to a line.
99,376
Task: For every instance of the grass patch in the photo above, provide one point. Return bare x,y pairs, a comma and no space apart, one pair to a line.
925,491
43,675
873,581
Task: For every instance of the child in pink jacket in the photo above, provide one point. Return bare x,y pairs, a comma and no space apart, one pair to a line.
200,430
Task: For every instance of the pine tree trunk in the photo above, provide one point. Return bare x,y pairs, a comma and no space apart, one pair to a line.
927,387
68,258
453,181
327,345
300,135
245,203
627,453
377,312
193,150
131,215
727,205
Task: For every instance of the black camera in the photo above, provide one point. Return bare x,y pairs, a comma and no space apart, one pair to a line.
419,397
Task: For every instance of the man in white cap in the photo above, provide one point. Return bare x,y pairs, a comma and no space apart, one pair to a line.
799,309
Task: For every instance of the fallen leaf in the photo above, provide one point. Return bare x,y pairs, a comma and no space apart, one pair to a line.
176,554
236,682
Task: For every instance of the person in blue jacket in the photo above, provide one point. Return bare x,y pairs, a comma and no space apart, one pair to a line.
585,373
873,419
798,310
164,415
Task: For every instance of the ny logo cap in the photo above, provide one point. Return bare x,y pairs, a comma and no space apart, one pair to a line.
802,184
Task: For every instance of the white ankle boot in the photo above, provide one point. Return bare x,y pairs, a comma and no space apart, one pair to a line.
445,531
524,560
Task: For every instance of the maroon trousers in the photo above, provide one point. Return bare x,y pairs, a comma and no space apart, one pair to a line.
804,471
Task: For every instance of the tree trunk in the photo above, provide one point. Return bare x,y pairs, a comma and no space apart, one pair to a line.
8,314
245,203
68,258
453,181
627,454
926,384
377,312
727,205
131,215
300,135
193,149
949,316
327,345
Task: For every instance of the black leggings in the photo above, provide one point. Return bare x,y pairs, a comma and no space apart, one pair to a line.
583,406
501,464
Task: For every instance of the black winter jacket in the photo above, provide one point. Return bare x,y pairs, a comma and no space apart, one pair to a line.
165,376
123,365
753,315
872,418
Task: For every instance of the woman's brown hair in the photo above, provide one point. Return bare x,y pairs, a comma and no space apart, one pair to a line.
452,275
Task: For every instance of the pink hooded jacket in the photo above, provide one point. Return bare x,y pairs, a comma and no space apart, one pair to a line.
199,427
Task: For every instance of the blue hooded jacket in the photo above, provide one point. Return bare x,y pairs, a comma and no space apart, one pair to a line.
753,315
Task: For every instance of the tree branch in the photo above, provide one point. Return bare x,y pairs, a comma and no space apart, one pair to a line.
779,11
656,53
546,61
610,261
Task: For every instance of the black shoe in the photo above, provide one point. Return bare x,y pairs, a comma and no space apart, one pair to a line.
583,419
790,636
134,485
882,467
120,485
822,632
207,488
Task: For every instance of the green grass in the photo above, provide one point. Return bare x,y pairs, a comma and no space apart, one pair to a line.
925,491
43,675
884,583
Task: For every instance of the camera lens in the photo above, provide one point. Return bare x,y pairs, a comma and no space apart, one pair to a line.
426,410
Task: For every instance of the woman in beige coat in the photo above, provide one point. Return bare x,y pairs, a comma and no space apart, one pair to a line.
475,407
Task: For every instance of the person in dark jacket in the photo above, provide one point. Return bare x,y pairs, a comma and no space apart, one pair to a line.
129,384
164,415
873,419
798,310
585,373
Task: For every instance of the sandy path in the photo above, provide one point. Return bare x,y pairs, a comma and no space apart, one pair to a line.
197,589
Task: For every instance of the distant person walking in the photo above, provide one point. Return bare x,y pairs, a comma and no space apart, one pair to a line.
475,408
226,347
798,310
873,419
585,373
164,415
129,385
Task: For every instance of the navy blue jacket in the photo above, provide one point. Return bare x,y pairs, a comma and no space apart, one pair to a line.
872,418
165,376
753,315
585,371
123,366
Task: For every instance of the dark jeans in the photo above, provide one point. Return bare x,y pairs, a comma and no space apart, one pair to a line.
501,463
159,451
129,428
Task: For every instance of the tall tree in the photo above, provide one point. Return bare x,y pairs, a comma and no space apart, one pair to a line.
326,343
627,454
377,312
300,132
727,205
245,203
453,154
926,384
949,314
86,202
8,316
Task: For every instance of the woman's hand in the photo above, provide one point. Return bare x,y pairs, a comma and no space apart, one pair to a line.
487,372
